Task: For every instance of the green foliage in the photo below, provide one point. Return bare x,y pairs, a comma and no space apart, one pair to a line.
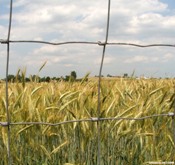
21,77
73,74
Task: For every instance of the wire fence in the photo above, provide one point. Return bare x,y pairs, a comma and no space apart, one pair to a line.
8,124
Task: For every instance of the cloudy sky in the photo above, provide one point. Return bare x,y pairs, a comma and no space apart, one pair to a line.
131,21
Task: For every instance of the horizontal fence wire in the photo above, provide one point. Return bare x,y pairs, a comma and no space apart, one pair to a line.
97,119
87,43
92,119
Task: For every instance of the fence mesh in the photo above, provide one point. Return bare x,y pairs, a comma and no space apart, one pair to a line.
98,119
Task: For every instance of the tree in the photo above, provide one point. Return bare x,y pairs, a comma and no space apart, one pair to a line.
125,75
67,78
73,74
47,79
34,78
11,78
108,75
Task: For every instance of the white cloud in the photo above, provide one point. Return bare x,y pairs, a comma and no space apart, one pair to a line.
19,3
167,57
136,59
107,60
68,65
150,59
3,32
3,54
45,49
70,20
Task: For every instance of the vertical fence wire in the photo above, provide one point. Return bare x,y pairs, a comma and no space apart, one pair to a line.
98,119
99,83
6,89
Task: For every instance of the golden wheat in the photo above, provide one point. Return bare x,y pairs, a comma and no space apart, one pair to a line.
122,141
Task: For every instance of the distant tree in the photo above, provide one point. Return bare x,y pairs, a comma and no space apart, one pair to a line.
10,78
98,75
61,78
34,78
125,75
18,78
67,78
108,75
73,75
27,79
48,79
58,79
43,79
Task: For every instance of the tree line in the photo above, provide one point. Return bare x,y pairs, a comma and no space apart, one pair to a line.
36,78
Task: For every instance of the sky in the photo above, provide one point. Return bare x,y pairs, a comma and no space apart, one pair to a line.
131,21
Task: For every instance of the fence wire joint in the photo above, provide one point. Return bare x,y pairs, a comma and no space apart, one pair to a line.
4,41
4,124
101,43
94,119
171,114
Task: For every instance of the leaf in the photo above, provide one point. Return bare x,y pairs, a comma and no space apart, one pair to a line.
171,140
23,129
46,151
69,102
72,114
110,106
52,108
154,91
42,66
59,147
35,90
85,78
4,136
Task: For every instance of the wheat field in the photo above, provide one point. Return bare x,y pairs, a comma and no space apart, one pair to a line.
122,141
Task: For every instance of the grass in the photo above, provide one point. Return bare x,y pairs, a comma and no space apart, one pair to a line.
122,141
